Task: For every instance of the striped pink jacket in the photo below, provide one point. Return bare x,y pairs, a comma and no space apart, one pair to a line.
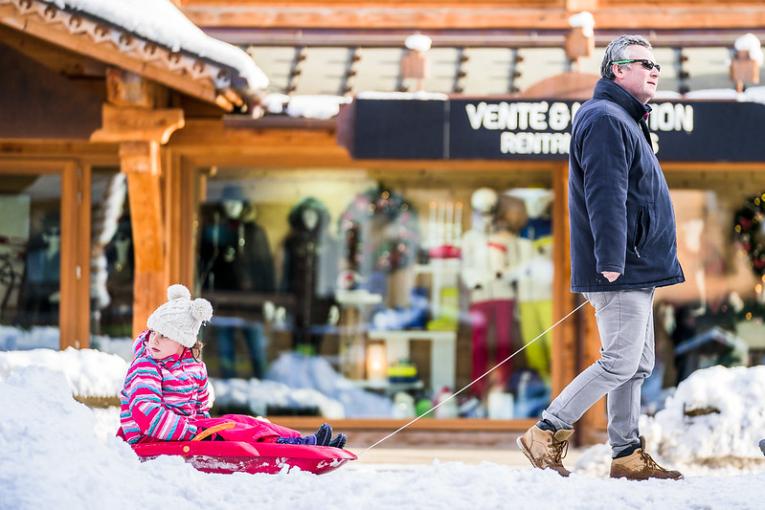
160,399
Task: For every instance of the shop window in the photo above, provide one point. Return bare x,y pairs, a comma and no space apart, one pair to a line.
111,263
30,258
375,294
715,317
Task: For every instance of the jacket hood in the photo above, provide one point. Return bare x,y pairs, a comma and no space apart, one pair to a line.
295,217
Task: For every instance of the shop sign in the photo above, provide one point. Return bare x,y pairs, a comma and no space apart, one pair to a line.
541,129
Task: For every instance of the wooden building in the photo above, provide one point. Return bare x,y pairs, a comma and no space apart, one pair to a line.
89,100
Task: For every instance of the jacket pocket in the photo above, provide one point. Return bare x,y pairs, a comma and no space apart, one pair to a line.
643,227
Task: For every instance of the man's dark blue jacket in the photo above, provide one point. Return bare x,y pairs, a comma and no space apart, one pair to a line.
620,209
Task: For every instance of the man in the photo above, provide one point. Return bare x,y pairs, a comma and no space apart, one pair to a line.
623,246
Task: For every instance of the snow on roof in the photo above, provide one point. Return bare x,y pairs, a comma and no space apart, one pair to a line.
321,107
717,94
162,22
423,96
750,43
756,94
585,20
418,42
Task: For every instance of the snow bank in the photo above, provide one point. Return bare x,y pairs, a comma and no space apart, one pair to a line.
86,372
38,337
714,420
729,409
258,395
162,22
298,372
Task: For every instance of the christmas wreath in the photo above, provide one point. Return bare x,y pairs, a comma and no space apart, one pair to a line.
380,230
750,231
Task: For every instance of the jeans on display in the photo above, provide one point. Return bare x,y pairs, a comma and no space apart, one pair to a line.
225,338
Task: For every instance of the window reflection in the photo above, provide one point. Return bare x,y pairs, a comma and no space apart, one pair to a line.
111,263
30,259
716,316
378,297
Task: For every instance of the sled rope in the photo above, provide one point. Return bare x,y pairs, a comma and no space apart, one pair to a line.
471,383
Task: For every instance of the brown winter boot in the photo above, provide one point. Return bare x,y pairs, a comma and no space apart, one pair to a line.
545,448
640,466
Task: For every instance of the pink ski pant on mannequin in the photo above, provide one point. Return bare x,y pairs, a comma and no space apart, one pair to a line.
483,314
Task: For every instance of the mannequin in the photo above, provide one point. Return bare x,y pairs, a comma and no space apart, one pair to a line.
310,271
116,318
235,256
40,287
535,278
488,257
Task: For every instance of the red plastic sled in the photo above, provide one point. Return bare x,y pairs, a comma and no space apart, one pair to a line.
241,457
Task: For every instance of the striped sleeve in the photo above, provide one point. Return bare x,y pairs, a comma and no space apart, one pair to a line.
203,399
144,391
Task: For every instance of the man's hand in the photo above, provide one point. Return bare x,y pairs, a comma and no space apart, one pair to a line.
610,276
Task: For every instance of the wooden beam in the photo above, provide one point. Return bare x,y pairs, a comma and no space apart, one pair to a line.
82,294
137,124
140,161
413,15
50,55
103,154
104,51
128,89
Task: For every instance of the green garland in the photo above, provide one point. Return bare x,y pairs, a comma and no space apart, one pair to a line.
750,233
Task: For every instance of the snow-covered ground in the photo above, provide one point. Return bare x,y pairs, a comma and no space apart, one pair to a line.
57,453
60,454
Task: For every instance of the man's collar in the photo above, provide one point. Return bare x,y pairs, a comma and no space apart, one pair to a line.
607,89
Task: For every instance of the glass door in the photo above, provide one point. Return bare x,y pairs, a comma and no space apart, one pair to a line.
39,256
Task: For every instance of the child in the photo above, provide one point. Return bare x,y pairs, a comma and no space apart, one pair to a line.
165,396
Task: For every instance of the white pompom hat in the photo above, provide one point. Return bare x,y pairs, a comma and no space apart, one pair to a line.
181,317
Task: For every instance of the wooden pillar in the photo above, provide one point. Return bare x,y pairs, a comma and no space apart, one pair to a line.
564,336
131,121
576,343
139,161
591,428
181,196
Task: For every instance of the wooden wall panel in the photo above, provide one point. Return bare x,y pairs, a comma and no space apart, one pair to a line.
475,15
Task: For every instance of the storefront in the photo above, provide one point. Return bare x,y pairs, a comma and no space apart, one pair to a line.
368,266
375,266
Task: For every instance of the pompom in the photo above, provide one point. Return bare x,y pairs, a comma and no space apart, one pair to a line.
201,309
178,291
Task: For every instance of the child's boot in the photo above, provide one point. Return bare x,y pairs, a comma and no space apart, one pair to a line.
339,441
324,434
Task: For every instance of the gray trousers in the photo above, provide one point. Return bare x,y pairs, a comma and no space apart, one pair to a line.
625,323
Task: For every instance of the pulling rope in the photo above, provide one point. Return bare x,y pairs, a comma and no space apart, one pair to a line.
474,380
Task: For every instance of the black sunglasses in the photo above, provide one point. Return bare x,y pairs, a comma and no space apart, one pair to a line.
647,64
